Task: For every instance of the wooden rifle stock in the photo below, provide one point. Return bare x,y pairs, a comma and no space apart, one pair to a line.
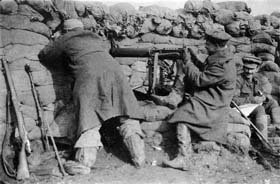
22,169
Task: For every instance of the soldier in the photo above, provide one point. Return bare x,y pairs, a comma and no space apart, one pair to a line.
254,88
204,111
100,92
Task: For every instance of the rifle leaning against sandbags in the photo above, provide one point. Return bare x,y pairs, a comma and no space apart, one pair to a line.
44,125
22,169
156,62
41,121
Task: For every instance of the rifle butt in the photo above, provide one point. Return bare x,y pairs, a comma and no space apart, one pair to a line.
22,170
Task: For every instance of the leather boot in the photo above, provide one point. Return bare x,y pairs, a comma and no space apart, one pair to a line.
136,148
184,149
261,123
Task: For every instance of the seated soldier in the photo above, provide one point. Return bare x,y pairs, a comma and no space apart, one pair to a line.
254,88
100,92
204,112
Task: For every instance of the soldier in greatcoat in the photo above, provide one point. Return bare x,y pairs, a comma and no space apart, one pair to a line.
204,111
100,92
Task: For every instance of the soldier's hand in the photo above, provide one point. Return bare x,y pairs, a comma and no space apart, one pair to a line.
186,56
259,99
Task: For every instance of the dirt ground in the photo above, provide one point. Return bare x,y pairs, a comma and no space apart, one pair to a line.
210,165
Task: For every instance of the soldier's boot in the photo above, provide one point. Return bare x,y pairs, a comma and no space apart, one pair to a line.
133,140
86,147
172,100
261,123
135,146
184,149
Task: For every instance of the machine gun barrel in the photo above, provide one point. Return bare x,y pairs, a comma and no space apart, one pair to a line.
165,53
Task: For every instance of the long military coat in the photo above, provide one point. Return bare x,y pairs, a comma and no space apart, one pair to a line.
101,90
206,109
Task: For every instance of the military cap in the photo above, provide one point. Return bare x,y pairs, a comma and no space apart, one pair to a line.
251,61
217,35
71,24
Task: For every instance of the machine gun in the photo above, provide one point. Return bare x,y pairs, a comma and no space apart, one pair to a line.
158,68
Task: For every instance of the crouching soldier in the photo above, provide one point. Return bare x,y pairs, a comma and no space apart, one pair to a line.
204,112
100,92
254,88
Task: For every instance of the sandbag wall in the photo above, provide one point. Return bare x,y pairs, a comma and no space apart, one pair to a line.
27,26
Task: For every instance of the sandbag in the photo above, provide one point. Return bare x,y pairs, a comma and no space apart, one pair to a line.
233,29
199,6
262,37
242,15
19,65
24,23
179,31
44,7
235,6
276,14
224,17
28,11
8,7
256,48
264,56
148,26
254,26
17,36
21,80
89,22
274,22
18,51
164,28
137,79
70,8
196,32
97,9
122,10
239,41
80,8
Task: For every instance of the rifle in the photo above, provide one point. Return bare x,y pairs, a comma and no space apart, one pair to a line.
22,169
258,133
41,122
43,125
155,62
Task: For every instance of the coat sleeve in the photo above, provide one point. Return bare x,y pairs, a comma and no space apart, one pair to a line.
213,74
51,55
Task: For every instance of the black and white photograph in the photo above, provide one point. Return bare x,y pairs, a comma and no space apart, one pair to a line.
140,91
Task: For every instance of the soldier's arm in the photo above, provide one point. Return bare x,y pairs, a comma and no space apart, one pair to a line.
51,54
212,75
